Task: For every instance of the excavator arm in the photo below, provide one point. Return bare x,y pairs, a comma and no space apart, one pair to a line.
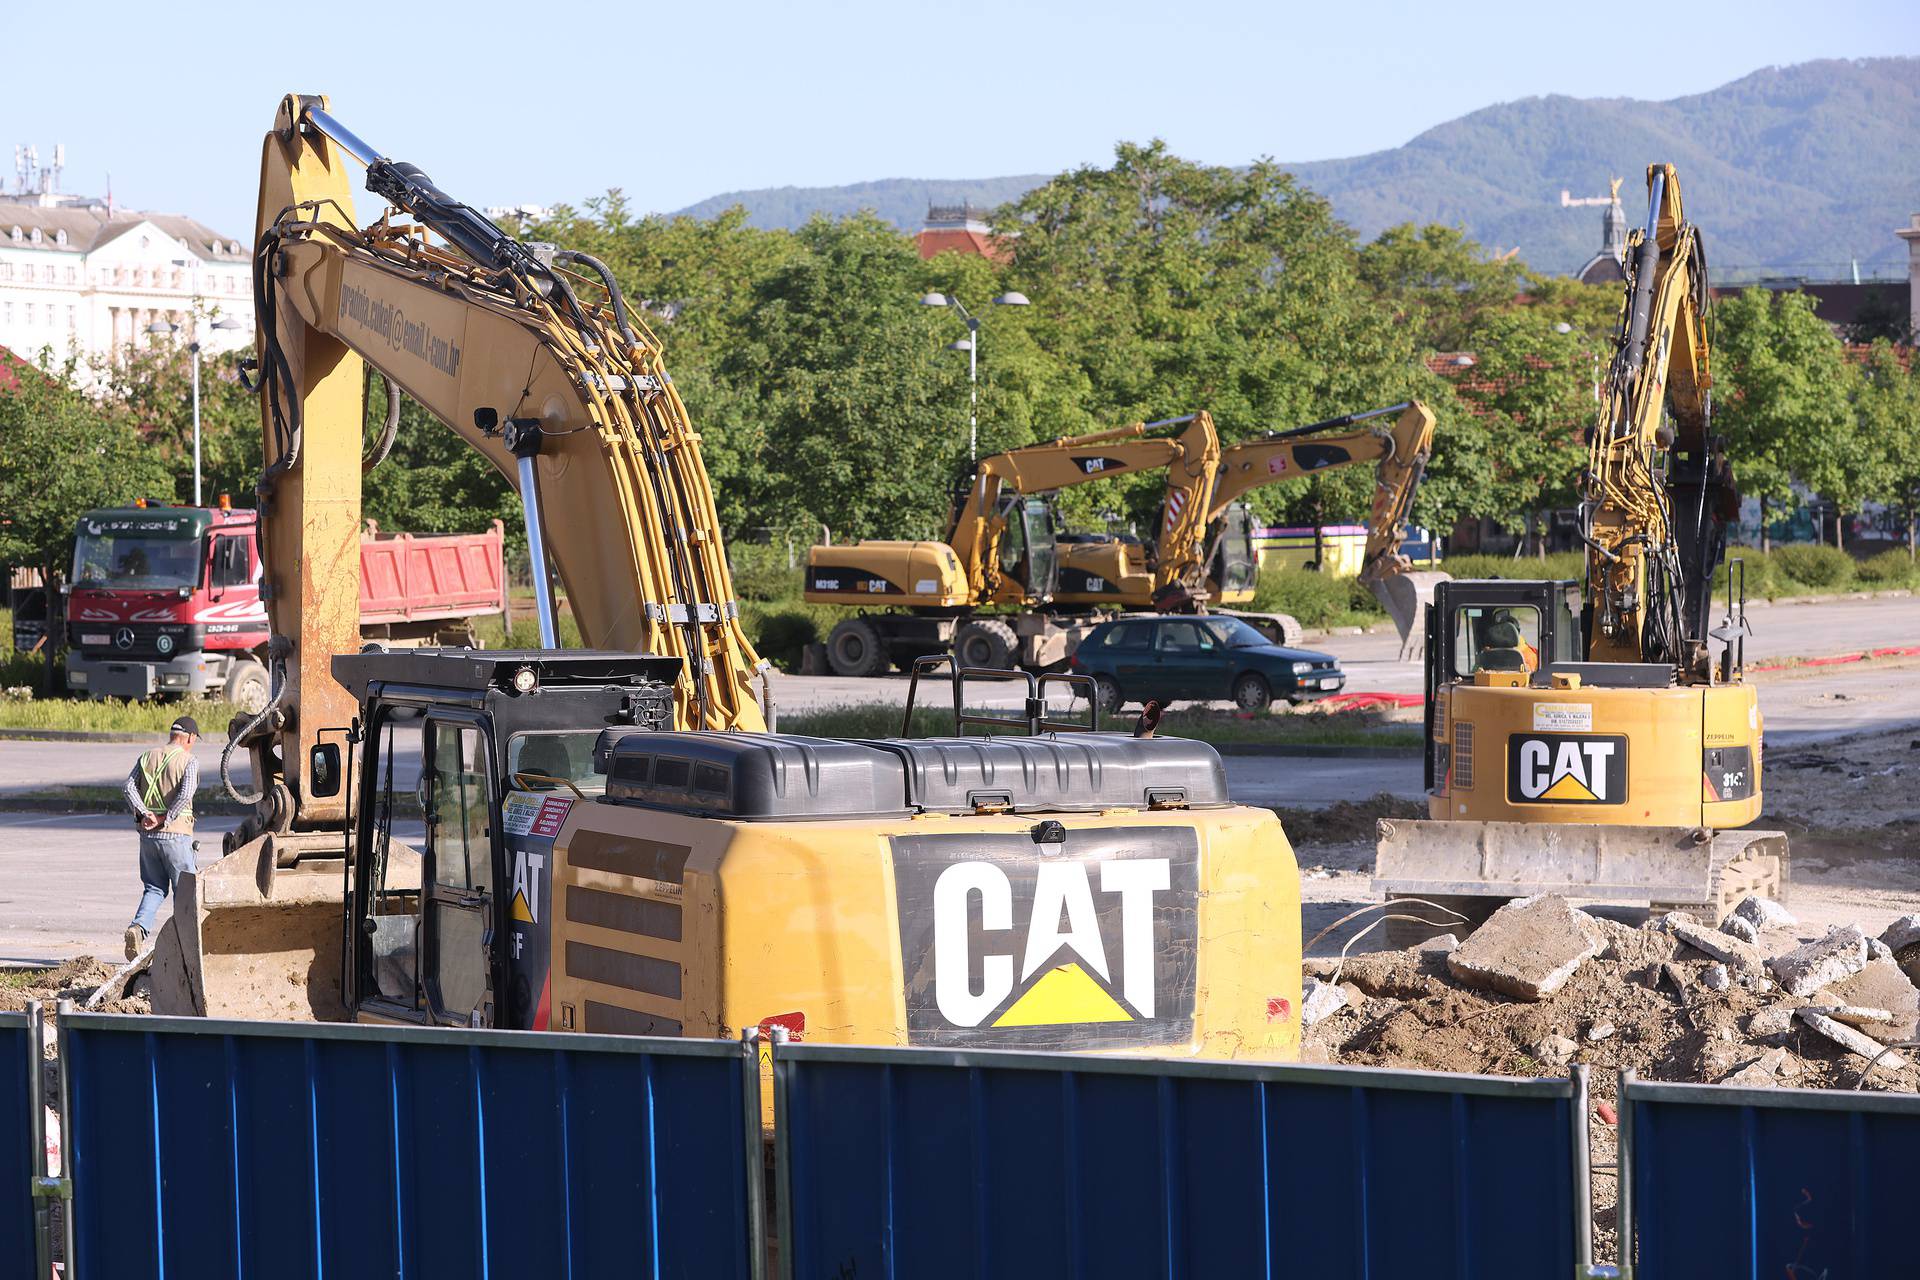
1401,452
1189,458
544,371
1657,492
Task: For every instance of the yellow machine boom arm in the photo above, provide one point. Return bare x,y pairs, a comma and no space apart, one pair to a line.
1190,459
1654,534
544,371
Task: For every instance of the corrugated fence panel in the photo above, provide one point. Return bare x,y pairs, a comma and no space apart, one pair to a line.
936,1164
253,1149
16,1147
1738,1183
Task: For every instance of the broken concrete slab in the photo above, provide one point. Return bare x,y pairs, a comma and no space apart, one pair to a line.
1881,985
1764,913
1805,969
1763,1072
1444,943
1528,948
1724,947
1853,1015
1554,1049
1397,975
1740,927
1601,1031
1903,932
1322,1000
1770,1023
1716,978
1850,1040
1878,950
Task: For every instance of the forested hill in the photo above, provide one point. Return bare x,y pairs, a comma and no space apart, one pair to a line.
1802,169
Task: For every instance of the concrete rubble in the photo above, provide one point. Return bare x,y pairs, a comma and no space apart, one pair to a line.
1902,933
1741,928
1763,913
1805,969
1881,985
1527,949
1716,978
1851,1040
1321,1000
1743,957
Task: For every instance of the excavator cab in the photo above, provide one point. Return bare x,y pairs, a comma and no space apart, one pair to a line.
1235,567
1027,557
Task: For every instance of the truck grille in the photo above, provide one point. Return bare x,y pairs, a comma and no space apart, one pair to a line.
88,638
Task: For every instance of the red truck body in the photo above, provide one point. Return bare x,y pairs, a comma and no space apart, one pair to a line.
167,599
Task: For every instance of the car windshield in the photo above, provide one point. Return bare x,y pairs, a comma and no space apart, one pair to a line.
543,761
1234,634
136,561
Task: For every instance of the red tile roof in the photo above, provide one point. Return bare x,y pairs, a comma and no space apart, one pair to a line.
958,240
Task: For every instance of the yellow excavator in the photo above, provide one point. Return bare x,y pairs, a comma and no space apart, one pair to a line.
603,839
1610,756
1400,451
1001,553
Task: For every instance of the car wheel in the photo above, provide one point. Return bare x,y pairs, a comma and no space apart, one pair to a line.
854,649
1251,692
1107,695
248,686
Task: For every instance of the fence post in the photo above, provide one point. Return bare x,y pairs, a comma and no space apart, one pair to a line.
1582,1175
756,1156
46,1187
1624,1224
782,1152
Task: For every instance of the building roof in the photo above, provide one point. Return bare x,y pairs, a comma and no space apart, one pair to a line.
1838,302
88,228
938,240
1601,268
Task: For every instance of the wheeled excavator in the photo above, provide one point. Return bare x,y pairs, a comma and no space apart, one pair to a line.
1400,451
604,840
1608,754
987,590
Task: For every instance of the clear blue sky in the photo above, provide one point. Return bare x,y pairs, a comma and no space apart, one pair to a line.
544,102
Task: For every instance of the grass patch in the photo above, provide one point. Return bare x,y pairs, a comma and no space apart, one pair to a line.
111,715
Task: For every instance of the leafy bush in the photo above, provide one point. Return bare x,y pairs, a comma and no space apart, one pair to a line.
1316,599
1763,578
782,635
1889,569
760,572
1560,564
1822,568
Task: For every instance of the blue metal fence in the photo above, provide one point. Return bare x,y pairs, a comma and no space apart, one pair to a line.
244,1149
931,1163
1763,1184
19,1088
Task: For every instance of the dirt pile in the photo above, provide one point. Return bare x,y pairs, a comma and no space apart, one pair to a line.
76,980
1645,1000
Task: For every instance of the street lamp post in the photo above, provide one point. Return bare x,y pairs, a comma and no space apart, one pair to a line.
163,327
971,345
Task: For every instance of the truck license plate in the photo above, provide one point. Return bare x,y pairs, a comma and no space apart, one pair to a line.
96,639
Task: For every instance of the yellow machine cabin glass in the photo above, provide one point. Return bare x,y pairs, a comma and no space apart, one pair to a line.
543,761
1496,638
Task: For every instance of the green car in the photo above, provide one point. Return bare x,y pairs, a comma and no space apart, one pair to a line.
1182,658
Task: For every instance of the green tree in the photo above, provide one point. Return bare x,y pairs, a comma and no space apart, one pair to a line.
1780,398
62,453
1886,406
154,387
1438,281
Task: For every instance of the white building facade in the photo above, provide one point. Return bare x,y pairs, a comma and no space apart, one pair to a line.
87,281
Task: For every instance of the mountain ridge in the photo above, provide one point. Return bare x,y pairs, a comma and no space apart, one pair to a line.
1803,169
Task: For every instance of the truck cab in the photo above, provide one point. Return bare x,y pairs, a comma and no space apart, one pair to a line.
166,600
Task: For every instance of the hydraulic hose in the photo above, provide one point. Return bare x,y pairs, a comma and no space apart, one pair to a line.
279,678
384,445
613,288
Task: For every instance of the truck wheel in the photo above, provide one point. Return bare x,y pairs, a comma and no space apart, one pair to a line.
248,686
854,649
1251,692
985,642
1107,695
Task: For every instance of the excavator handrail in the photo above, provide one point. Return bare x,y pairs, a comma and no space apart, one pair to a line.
1035,720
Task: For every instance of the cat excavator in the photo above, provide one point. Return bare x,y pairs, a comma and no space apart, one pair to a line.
1400,451
1608,754
606,840
1003,553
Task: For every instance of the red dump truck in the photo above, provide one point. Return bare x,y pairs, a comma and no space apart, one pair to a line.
166,600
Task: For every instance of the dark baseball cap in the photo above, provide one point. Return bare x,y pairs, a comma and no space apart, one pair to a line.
185,724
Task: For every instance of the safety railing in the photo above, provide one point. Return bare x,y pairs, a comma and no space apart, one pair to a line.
934,1163
190,1147
212,1148
1760,1184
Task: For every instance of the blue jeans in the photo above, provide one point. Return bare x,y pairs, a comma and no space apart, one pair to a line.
163,855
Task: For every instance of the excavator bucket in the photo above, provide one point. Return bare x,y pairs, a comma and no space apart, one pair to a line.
258,933
1470,868
1405,597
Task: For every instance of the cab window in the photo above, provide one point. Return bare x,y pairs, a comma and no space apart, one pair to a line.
1496,638
462,836
550,761
1185,638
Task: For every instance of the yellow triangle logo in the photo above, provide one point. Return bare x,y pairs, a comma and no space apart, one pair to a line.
520,911
1568,788
1065,994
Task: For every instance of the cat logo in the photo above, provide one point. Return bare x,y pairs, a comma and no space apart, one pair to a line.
1007,943
1566,768
526,885
1093,465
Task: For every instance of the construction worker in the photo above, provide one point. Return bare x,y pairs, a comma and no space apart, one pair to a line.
160,793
